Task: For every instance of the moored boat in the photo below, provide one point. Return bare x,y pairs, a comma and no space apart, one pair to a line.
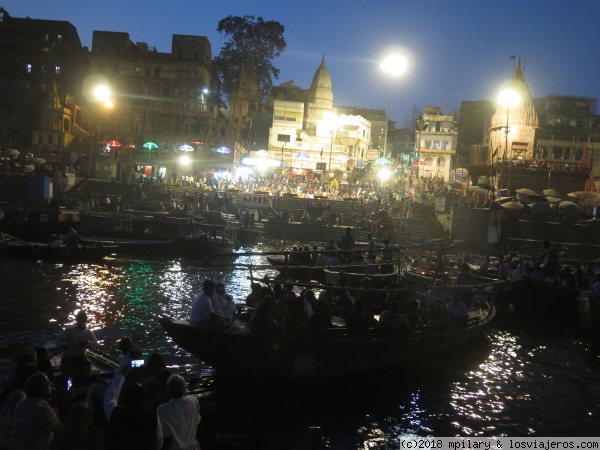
340,277
242,354
298,272
54,249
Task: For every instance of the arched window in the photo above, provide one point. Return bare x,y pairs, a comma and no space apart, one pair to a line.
429,161
441,162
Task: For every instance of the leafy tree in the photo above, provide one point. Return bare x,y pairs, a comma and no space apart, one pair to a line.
253,43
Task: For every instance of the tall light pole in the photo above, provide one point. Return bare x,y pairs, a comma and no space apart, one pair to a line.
420,126
509,98
332,123
100,93
394,66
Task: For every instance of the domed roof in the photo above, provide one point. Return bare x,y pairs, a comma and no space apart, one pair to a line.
320,88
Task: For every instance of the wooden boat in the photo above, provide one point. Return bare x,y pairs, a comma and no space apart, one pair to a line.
242,354
54,249
297,272
339,277
532,297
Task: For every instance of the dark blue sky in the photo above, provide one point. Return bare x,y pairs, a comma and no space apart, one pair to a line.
460,48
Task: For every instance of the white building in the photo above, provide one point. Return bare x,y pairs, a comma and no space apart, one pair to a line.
435,143
311,135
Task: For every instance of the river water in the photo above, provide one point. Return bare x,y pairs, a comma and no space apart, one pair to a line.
517,381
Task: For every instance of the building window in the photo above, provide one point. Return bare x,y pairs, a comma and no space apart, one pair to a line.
557,121
428,161
427,143
57,70
444,145
59,38
138,70
29,68
572,123
436,145
283,138
47,37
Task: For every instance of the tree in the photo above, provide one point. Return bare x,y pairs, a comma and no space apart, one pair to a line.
251,42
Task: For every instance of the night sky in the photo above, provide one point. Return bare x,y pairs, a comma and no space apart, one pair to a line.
460,50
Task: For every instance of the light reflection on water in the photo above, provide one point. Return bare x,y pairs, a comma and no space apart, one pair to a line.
514,383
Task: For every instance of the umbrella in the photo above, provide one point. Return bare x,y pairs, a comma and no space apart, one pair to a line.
551,193
553,199
28,168
187,148
149,145
536,198
569,208
503,199
524,191
512,205
418,163
12,152
540,207
486,186
37,160
361,163
583,195
382,161
302,155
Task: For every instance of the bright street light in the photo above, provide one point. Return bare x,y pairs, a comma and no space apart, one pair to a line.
100,93
393,65
509,98
384,174
332,123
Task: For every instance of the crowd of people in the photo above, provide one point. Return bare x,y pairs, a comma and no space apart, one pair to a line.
141,405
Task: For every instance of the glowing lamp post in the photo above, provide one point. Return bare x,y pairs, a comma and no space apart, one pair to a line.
101,94
509,98
394,66
332,124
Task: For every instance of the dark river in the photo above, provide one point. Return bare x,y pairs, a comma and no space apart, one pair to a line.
518,381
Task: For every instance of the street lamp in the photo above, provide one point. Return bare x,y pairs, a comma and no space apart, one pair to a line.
100,94
394,66
332,122
508,98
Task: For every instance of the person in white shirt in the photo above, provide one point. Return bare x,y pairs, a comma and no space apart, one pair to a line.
179,417
74,342
202,309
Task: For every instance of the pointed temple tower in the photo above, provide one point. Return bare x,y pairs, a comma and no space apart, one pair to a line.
319,99
512,130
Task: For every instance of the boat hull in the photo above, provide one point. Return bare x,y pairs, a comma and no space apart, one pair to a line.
234,353
305,274
354,279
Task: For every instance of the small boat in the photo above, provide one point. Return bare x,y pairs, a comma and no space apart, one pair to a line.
54,249
538,298
340,277
297,272
242,354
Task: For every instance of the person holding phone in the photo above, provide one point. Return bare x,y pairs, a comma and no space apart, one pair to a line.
74,342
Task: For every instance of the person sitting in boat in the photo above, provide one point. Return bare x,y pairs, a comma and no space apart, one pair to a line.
567,278
438,313
457,312
253,297
465,278
333,260
263,318
321,259
73,342
320,321
359,321
297,322
392,323
536,273
520,271
551,265
202,309
70,239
